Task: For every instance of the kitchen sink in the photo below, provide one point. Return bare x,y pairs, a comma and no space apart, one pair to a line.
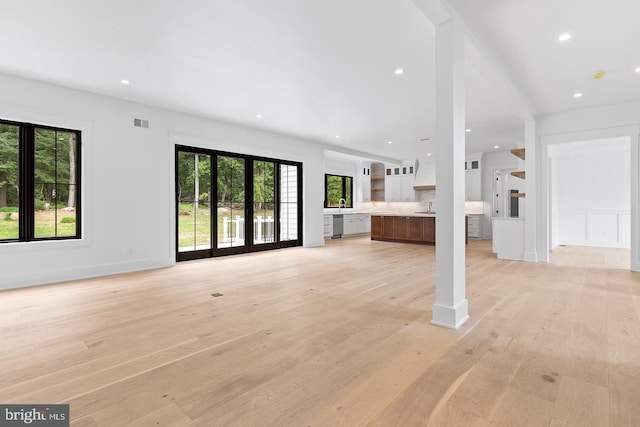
425,212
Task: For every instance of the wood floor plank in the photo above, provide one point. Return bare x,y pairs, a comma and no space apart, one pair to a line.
452,416
589,357
362,404
86,421
539,374
483,388
421,400
624,347
581,403
520,409
624,399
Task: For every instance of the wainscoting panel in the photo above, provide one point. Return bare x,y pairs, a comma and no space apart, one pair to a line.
605,229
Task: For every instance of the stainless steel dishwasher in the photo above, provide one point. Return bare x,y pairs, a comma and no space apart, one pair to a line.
338,226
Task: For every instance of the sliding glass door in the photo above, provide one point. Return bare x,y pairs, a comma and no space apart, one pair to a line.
193,180
264,197
231,206
289,203
257,203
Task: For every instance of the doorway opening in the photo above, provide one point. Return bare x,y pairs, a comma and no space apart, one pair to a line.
504,187
590,196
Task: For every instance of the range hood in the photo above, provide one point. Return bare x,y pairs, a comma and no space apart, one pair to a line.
425,177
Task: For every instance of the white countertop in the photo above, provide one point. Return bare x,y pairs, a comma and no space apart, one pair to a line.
416,214
506,218
350,212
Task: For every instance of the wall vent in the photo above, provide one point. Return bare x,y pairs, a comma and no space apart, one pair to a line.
141,123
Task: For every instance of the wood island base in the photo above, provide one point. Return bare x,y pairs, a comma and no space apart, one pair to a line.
406,228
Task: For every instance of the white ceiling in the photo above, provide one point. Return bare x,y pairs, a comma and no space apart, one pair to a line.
317,69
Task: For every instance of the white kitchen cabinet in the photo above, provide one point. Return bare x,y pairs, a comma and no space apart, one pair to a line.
393,188
351,225
407,193
472,164
474,227
399,183
356,224
473,184
328,226
407,178
508,238
473,177
366,182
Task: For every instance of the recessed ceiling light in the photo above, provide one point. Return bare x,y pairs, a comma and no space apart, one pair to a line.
429,154
337,136
259,116
577,95
496,146
467,130
389,142
399,71
637,70
564,37
124,81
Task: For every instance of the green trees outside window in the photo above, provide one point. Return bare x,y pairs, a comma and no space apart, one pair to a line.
39,182
338,191
234,203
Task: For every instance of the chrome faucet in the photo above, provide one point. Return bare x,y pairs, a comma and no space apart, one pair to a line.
342,203
430,205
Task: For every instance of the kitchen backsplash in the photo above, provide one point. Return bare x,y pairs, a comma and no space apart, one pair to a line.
425,196
388,207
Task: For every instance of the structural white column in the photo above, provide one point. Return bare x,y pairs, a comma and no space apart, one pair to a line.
531,202
450,308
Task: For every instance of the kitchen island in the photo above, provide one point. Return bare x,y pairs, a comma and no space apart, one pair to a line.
406,227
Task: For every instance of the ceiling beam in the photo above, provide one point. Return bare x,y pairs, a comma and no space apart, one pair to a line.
488,60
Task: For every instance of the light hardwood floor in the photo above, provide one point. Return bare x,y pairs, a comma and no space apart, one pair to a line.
333,336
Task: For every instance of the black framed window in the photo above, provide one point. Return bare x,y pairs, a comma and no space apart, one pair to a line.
338,191
39,182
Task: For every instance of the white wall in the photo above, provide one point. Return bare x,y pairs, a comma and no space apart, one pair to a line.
590,193
128,180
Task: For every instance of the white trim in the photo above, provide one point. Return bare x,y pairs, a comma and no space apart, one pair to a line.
450,317
85,126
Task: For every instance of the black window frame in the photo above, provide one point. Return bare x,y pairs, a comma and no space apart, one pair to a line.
250,246
27,181
344,190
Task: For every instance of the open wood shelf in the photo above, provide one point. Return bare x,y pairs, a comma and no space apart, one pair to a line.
518,174
518,195
518,152
377,182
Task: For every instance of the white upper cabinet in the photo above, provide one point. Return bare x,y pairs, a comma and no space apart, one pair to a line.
365,177
393,183
473,178
399,183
